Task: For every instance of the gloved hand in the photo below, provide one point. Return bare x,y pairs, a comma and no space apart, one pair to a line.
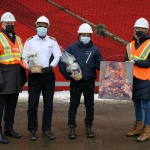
67,75
47,69
135,63
97,66
1,87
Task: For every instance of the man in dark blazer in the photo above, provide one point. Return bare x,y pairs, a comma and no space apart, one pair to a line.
11,71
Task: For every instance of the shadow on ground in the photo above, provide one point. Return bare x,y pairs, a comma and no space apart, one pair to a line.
112,120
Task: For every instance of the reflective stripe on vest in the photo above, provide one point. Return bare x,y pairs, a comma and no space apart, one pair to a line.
11,55
5,44
139,54
8,55
143,54
19,43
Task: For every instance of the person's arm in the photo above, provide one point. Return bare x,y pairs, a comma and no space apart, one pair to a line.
98,58
56,53
1,79
56,57
25,53
126,57
62,67
143,63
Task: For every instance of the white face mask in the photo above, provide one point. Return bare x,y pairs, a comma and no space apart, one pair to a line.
85,39
41,31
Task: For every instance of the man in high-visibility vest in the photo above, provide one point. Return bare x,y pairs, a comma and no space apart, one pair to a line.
138,52
12,75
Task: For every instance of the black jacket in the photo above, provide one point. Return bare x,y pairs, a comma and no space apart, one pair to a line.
141,88
12,76
86,56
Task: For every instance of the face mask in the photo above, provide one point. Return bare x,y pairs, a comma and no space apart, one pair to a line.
41,31
139,34
9,28
85,39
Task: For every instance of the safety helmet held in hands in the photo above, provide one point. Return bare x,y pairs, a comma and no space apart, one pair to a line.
7,16
142,22
43,19
85,28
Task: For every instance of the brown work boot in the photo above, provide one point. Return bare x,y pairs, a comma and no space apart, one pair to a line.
138,129
145,135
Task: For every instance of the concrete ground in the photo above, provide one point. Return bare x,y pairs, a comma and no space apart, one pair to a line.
112,120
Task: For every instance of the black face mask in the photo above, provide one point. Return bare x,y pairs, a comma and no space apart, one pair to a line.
140,34
9,28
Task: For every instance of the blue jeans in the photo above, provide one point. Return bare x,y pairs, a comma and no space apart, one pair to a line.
140,107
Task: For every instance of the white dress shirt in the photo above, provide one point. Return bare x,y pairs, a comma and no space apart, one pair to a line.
43,48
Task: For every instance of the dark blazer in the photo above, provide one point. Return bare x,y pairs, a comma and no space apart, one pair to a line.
13,77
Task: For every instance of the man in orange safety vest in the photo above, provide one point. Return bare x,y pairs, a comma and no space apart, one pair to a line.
12,75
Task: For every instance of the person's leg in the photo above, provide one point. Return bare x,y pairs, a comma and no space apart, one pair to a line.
88,93
138,110
2,103
146,108
138,126
9,113
34,90
48,86
146,130
48,93
3,98
75,95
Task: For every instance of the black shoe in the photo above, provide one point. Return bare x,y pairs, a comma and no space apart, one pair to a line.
48,135
12,133
3,140
72,134
32,135
89,132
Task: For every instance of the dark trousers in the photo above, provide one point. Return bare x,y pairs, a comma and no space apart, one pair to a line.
36,84
8,105
76,89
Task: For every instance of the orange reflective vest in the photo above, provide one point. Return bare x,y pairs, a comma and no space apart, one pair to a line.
10,53
139,54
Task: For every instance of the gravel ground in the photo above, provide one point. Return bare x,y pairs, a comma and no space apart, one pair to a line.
113,118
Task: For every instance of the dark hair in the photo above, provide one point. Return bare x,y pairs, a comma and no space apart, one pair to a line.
115,65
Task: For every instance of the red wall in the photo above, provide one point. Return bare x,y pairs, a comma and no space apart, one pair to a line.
118,16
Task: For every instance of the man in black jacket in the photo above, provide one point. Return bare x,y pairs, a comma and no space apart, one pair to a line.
88,57
138,51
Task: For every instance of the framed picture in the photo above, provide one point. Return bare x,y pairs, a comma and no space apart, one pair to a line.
116,80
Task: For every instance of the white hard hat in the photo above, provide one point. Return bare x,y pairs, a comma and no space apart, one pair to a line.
85,28
7,16
142,22
43,19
